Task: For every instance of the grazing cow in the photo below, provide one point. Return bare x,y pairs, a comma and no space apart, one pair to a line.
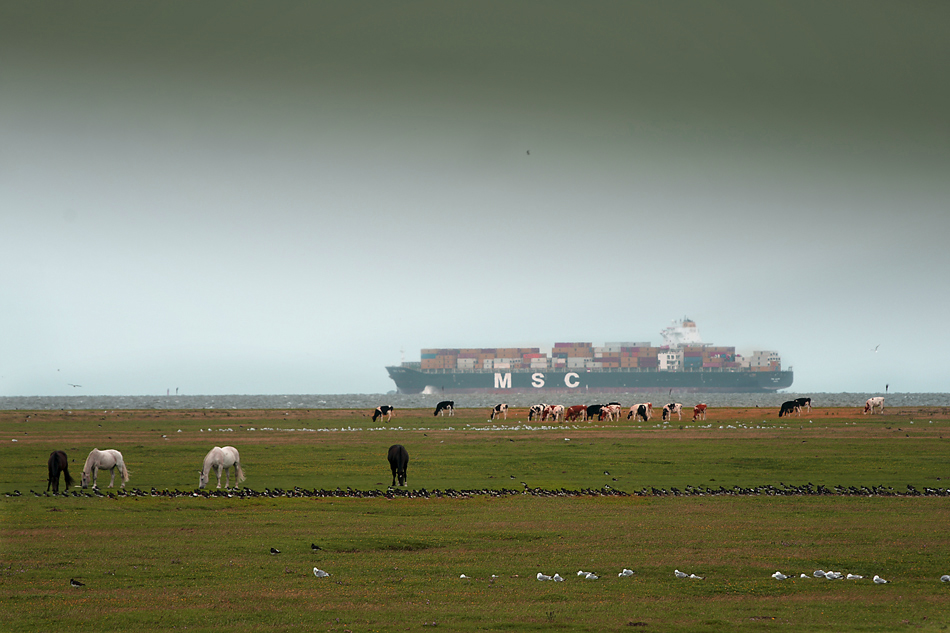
641,412
670,409
575,412
593,411
804,403
398,462
443,407
553,411
636,408
874,403
790,407
536,410
699,411
500,409
611,412
383,410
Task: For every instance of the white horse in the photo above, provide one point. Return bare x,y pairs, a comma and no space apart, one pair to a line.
108,459
222,459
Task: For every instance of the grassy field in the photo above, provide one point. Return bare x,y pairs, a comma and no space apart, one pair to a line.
156,563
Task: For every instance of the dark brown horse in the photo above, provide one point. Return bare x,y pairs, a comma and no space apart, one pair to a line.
58,463
398,462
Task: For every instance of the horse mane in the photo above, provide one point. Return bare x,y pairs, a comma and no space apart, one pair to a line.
87,468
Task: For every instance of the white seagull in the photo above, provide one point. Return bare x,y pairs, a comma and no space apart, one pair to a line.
557,578
591,576
543,577
818,573
945,578
680,574
463,576
626,572
879,581
695,577
804,575
319,573
854,577
779,576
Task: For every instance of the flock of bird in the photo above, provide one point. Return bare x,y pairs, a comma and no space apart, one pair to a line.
808,489
624,573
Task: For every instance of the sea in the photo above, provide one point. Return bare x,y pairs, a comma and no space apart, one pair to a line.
426,401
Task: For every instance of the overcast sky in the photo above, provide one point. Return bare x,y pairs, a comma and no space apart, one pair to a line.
242,198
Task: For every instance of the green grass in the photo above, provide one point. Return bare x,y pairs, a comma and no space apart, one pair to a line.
154,564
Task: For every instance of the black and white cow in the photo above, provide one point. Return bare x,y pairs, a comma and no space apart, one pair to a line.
398,462
500,409
671,408
443,407
383,410
536,410
642,412
593,411
804,403
789,407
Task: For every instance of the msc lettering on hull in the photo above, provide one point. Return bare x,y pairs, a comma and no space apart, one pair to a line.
503,381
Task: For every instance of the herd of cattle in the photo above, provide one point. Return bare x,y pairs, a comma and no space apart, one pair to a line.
612,410
557,413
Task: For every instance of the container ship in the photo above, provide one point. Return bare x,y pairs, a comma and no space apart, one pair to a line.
682,363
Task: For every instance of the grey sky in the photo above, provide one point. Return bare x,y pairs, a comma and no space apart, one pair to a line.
279,197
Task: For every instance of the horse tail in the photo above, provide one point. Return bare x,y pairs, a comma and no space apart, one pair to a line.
69,479
239,471
125,471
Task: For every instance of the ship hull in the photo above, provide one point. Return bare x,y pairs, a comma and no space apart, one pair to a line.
409,380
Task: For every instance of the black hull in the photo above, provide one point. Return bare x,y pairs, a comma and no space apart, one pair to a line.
410,380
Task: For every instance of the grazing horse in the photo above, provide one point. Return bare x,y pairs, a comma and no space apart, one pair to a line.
398,462
874,403
790,407
382,410
699,411
445,405
108,459
58,463
500,409
222,459
804,403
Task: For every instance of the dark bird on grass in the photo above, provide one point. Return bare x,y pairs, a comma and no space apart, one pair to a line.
606,473
75,583
274,550
315,547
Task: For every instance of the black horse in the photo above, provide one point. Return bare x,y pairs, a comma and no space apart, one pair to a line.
398,461
58,463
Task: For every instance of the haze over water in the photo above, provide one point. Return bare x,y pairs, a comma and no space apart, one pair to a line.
287,197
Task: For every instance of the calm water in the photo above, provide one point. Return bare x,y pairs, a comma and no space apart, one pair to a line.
421,401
